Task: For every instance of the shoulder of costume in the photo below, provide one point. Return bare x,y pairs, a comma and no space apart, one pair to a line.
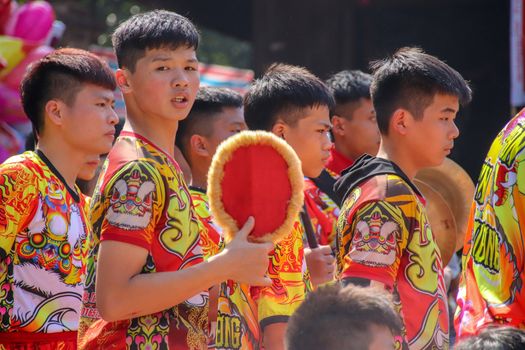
27,162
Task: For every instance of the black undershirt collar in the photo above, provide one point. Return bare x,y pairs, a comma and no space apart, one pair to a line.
198,189
54,170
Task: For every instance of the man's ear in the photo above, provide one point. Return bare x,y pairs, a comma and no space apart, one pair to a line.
122,77
280,129
338,125
401,121
54,111
199,145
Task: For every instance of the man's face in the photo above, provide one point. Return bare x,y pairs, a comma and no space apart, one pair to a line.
382,338
228,122
355,129
164,83
310,139
88,124
431,138
89,169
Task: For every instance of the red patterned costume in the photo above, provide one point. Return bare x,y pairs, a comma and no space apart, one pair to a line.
383,235
141,199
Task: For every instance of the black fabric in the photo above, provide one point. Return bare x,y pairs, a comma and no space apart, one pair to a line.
356,281
308,229
273,319
55,171
198,189
325,182
365,168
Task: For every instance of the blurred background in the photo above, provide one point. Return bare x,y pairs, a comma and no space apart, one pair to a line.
473,36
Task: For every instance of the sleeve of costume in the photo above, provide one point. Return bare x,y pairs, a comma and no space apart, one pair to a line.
519,197
135,197
277,302
18,193
373,242
209,237
322,217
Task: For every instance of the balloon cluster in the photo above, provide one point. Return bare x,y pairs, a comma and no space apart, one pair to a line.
26,33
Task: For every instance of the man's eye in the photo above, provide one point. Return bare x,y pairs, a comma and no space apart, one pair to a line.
191,68
162,68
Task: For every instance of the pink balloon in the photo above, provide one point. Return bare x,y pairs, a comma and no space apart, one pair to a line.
14,77
11,110
31,22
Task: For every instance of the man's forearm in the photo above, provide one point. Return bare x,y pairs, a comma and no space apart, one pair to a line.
152,292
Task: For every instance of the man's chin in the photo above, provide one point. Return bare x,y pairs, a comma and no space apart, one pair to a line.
312,173
435,162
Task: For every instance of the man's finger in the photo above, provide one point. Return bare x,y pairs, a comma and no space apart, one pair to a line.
328,259
246,229
325,249
262,282
268,246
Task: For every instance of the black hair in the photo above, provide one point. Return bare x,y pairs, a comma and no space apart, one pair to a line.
495,338
61,75
349,86
152,30
209,102
283,92
334,318
410,79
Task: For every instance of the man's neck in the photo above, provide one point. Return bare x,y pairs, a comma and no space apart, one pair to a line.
199,179
162,134
389,151
342,151
65,159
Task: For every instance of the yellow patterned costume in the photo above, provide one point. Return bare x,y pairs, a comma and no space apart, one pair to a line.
242,309
491,288
42,249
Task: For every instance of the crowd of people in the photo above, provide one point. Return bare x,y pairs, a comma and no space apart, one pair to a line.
137,261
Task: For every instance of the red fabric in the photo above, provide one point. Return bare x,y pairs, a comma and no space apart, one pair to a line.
256,184
323,224
338,162
39,341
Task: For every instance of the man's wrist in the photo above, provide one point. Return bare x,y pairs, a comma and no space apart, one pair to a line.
219,266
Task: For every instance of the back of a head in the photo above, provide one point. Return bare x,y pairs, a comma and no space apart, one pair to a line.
61,75
334,318
152,30
349,86
209,102
409,79
283,92
494,338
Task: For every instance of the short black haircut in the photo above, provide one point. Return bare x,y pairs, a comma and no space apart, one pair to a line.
495,338
209,102
152,30
283,92
349,86
61,75
410,79
334,318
